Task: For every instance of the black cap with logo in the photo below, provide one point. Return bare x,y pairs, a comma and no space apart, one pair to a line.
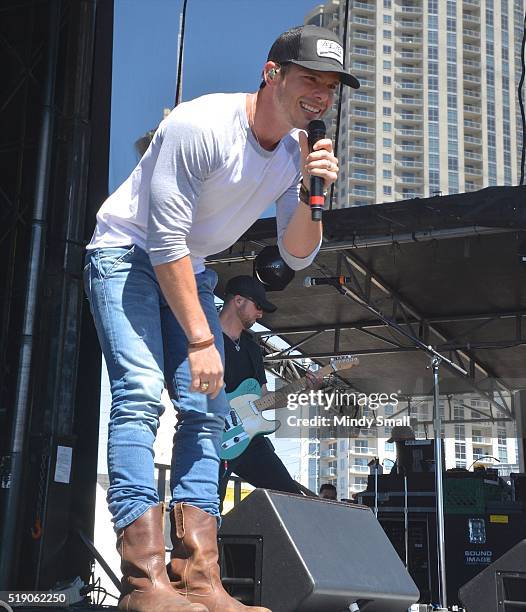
312,47
250,288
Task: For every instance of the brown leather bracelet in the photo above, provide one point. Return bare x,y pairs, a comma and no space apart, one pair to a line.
202,343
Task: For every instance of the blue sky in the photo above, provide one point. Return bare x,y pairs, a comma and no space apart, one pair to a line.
226,44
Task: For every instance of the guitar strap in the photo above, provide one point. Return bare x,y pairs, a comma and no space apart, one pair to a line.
252,358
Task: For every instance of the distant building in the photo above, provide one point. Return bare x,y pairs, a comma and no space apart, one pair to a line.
437,111
343,460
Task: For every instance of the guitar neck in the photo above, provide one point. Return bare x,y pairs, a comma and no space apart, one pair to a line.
279,399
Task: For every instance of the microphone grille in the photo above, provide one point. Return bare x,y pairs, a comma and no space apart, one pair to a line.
317,124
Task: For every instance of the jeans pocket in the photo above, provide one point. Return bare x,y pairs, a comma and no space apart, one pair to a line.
107,260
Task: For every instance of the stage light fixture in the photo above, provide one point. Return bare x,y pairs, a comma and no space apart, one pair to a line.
271,269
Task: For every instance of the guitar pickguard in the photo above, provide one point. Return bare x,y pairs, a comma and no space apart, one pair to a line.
244,421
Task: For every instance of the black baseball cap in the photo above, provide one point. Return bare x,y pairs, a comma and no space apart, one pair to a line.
251,288
312,47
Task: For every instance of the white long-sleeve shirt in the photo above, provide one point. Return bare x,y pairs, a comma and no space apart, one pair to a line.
203,181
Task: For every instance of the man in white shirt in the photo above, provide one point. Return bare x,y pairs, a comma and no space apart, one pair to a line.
213,166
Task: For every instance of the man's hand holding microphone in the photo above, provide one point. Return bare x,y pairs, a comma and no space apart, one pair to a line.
320,167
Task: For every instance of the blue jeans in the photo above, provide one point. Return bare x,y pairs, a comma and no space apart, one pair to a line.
136,328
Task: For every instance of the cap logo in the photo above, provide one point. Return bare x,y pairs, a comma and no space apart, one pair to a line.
330,48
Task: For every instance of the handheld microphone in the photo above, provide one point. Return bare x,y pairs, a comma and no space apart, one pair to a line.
311,281
315,132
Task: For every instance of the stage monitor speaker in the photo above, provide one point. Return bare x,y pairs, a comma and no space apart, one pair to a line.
501,587
306,554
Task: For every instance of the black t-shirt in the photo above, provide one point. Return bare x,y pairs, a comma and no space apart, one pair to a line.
242,364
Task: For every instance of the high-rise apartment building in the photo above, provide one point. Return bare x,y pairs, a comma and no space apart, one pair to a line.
437,110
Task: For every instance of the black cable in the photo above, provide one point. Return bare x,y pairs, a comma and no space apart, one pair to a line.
339,112
179,84
521,104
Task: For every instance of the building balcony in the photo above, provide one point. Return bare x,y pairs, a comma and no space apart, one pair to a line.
409,85
472,49
472,186
409,55
409,195
363,36
363,98
363,193
409,180
328,472
362,161
359,112
362,177
481,457
472,125
409,117
364,129
410,148
405,163
358,488
409,132
408,9
471,171
470,18
471,93
364,6
410,40
471,78
331,452
359,469
471,109
408,24
363,21
409,69
471,33
474,3
408,102
473,156
360,450
471,64
366,84
362,67
473,140
364,146
359,51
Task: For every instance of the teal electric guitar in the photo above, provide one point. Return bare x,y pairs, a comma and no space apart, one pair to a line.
245,420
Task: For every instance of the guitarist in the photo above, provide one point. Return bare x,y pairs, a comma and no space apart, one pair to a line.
245,303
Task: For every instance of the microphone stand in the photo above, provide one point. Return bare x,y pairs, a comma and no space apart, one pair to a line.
376,466
406,522
439,485
436,359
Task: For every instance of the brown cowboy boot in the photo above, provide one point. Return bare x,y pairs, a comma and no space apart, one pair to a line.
145,586
194,568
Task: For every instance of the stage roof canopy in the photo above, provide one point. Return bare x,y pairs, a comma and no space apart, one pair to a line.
445,269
